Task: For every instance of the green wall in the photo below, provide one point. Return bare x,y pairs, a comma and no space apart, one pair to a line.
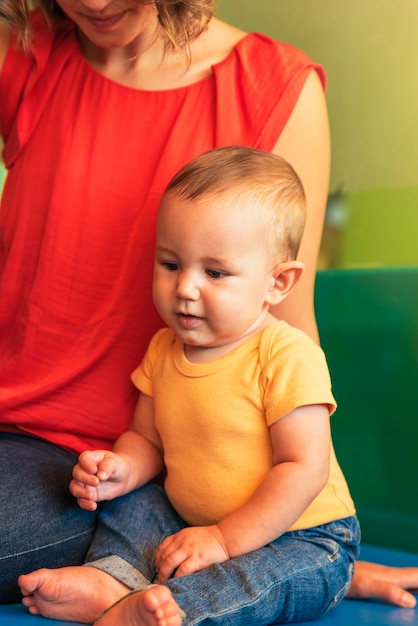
370,50
381,228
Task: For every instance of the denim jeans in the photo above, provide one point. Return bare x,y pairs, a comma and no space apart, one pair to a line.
41,524
300,576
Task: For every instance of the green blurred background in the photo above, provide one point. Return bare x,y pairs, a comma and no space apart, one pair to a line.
370,51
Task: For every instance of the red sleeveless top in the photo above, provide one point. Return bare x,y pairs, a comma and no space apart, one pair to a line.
88,160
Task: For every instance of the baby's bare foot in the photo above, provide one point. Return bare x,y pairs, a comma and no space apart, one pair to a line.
153,607
75,594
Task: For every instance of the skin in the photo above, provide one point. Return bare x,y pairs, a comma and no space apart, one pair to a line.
213,282
155,606
129,54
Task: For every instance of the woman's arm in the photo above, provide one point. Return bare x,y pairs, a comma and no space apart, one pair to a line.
305,143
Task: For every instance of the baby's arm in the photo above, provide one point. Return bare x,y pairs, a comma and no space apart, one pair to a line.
136,458
301,452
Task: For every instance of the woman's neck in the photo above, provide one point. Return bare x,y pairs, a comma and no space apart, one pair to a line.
125,64
144,63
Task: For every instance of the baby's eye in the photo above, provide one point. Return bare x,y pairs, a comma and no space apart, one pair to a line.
215,273
172,267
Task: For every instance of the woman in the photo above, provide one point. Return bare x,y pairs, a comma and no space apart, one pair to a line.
112,98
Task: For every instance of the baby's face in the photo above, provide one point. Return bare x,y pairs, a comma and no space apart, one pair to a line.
212,269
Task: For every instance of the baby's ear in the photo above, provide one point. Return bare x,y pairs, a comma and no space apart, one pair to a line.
284,278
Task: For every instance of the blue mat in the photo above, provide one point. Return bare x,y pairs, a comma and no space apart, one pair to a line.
348,613
17,615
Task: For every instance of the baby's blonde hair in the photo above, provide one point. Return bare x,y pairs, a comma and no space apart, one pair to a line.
259,181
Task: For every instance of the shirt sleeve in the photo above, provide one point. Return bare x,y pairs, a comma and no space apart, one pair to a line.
295,374
142,376
20,71
258,88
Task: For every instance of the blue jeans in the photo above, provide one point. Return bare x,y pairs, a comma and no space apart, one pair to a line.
41,524
298,577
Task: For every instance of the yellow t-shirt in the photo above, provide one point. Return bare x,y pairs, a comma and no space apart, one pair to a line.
213,420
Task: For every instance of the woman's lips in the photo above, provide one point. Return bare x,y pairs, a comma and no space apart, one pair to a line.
105,22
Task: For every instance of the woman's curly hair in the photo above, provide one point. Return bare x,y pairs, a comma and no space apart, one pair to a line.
181,21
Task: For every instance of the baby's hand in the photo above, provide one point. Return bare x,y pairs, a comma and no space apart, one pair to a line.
99,475
190,550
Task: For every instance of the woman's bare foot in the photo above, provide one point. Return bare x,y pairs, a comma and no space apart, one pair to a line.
153,607
391,584
75,594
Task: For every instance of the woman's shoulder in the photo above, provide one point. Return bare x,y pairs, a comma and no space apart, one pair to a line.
25,70
258,82
44,39
253,52
265,61
218,41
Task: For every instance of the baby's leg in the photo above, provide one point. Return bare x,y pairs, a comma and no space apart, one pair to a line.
298,577
121,558
128,533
